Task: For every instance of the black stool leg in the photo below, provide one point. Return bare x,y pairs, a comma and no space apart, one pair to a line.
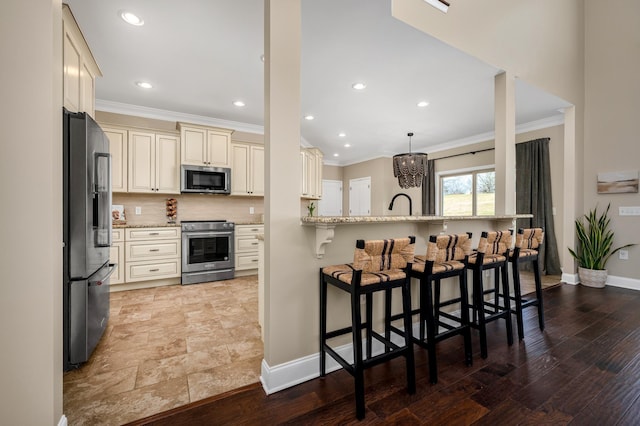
478,295
423,310
496,293
387,316
507,304
408,337
323,324
536,274
464,317
431,329
369,320
517,294
358,370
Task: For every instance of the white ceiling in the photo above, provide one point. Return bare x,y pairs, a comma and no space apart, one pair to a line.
201,55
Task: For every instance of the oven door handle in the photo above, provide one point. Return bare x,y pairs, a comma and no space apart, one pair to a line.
207,234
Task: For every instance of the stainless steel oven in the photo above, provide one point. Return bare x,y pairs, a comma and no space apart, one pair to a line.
207,251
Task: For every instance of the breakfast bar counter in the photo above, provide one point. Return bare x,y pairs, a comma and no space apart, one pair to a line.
424,225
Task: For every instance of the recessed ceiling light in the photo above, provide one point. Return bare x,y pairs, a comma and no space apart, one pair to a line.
238,103
358,86
131,18
144,84
342,135
423,104
336,155
309,117
347,145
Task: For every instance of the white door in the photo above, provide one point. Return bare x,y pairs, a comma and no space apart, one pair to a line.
331,202
360,197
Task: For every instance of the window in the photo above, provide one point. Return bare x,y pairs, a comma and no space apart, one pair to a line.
468,194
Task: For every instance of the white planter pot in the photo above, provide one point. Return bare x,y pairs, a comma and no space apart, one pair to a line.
592,277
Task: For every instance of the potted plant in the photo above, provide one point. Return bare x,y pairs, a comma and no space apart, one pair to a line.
595,247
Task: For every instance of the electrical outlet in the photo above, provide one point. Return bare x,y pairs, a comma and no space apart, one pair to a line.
623,254
251,210
138,210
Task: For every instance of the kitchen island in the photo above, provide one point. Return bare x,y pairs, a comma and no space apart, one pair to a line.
423,226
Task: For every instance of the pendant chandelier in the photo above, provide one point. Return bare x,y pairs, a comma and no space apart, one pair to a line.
410,168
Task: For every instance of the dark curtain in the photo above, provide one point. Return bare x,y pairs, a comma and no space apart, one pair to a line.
429,190
533,195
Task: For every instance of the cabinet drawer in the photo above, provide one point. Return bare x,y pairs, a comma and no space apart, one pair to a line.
117,235
246,244
142,271
249,229
246,261
136,234
152,250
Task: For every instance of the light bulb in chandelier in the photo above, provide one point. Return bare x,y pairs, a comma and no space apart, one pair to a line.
410,167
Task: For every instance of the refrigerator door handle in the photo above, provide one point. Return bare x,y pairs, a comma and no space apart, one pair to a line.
102,200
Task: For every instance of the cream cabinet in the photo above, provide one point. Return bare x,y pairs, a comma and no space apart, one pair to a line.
311,165
246,246
152,253
205,146
118,148
116,255
153,163
247,169
79,67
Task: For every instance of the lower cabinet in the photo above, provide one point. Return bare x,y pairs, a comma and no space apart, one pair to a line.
246,246
116,255
146,254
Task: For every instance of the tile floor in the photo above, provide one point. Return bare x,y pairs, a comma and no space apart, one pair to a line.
166,347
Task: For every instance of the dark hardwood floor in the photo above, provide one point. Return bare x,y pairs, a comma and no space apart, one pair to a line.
584,369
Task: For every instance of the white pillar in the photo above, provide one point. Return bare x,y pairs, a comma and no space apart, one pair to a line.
569,201
505,143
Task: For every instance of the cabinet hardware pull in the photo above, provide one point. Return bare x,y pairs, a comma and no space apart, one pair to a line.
154,249
255,229
154,233
154,270
254,244
254,260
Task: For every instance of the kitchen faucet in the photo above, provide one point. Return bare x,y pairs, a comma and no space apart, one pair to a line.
396,196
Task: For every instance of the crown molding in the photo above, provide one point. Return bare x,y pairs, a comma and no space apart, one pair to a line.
160,114
554,120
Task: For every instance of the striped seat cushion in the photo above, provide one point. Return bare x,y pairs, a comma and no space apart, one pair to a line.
488,259
344,273
528,252
439,267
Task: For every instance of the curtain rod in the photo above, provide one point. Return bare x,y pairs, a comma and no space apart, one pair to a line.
465,153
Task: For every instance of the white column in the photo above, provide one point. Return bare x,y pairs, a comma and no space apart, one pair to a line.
505,143
569,201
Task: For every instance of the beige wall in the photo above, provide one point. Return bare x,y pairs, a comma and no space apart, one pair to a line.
332,172
31,220
612,115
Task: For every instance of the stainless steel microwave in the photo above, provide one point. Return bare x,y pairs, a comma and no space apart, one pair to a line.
205,180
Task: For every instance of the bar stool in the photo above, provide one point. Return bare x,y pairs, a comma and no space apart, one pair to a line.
378,265
446,257
526,250
492,253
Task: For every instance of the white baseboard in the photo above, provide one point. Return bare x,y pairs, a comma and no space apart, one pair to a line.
63,421
630,283
570,278
612,280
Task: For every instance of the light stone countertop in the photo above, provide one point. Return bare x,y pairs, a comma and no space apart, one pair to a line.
338,220
146,225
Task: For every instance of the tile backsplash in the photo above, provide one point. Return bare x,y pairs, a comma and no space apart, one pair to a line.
190,207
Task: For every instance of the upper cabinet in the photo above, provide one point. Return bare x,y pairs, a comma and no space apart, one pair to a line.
118,148
311,165
205,146
79,67
154,163
247,169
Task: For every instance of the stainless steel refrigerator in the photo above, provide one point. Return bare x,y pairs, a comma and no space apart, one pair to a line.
87,236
